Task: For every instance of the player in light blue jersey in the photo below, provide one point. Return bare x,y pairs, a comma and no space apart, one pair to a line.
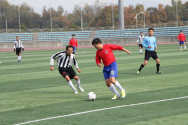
150,43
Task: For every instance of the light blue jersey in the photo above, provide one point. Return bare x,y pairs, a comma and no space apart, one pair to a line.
150,41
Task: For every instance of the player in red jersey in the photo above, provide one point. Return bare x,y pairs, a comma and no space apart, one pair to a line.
73,42
182,40
105,52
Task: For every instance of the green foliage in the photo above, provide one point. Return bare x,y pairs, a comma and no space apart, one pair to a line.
24,27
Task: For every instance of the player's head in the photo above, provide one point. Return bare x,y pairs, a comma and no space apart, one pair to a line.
141,33
73,36
181,31
150,31
69,50
97,43
17,38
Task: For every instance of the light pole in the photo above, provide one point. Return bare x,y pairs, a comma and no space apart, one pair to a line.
144,14
50,17
81,16
112,16
177,12
136,18
19,17
6,21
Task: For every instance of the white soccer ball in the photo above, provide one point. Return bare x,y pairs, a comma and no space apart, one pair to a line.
91,96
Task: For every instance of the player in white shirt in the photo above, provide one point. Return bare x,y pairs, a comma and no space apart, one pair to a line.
18,47
140,41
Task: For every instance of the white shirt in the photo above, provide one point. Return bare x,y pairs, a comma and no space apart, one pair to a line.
140,39
18,44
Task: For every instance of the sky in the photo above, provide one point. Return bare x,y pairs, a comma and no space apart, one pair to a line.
68,5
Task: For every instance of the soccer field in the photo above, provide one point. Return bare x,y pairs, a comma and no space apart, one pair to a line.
29,91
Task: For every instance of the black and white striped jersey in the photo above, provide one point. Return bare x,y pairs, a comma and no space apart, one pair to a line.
140,39
64,60
18,44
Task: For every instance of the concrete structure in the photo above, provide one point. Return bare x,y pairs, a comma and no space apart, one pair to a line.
128,41
34,44
121,14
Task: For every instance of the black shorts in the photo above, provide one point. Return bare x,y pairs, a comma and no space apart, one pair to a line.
149,54
140,45
18,50
67,71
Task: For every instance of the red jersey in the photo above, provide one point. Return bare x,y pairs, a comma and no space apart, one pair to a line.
106,54
73,42
181,37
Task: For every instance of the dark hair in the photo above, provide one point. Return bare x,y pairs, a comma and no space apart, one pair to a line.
17,36
73,34
150,29
96,41
141,32
181,30
67,47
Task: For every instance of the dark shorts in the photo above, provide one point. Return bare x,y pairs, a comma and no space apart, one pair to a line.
181,42
140,45
149,54
67,71
18,50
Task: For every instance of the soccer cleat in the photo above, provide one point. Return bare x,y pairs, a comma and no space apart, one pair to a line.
137,72
180,50
185,50
0,62
19,60
123,94
159,72
81,89
116,97
75,92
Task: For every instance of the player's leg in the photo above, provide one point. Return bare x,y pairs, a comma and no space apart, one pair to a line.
74,49
113,89
118,85
113,75
184,46
180,46
71,84
140,48
78,83
155,57
146,59
66,75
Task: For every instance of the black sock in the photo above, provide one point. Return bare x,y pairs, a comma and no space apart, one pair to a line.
158,65
141,67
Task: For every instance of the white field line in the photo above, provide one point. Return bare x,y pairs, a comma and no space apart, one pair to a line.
79,113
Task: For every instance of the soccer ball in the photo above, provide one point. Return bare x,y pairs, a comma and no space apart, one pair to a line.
91,96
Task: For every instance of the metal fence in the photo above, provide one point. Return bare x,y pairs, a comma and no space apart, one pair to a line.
36,30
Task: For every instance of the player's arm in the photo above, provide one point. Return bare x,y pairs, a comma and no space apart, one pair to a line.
155,45
128,52
14,46
76,43
178,39
70,43
52,60
76,64
98,60
22,46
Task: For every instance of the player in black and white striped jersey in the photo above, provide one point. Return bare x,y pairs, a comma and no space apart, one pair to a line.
65,58
140,41
18,47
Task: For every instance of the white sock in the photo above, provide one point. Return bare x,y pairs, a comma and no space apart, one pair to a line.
78,83
118,86
71,85
180,47
113,89
185,47
141,50
18,58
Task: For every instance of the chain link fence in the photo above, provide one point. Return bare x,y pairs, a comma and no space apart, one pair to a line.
36,30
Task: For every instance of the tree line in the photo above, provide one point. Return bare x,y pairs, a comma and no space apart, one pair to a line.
95,15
